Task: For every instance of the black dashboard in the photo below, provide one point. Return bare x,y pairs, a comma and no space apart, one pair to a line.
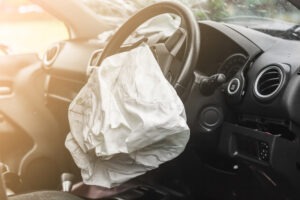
252,117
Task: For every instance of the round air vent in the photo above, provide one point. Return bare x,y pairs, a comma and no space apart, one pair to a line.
50,55
269,82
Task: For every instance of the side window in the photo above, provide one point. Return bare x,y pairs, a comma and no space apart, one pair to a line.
27,28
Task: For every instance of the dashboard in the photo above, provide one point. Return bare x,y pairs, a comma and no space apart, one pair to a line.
252,117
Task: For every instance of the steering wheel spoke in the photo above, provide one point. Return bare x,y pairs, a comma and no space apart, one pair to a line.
175,42
166,54
186,38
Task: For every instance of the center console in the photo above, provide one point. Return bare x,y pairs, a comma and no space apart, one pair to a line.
246,143
273,156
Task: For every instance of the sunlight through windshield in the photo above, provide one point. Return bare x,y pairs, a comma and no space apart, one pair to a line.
218,10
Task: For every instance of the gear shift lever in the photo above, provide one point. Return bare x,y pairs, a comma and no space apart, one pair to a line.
67,181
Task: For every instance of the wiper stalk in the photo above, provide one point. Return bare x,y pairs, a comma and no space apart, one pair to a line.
292,33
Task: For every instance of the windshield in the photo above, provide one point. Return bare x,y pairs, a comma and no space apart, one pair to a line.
238,11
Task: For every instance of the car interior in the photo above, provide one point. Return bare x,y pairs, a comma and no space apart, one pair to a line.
239,87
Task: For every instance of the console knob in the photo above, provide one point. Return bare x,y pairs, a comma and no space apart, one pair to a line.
233,86
210,118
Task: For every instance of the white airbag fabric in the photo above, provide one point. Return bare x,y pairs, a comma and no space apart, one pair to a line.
126,120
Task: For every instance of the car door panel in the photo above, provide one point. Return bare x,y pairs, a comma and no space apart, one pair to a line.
30,137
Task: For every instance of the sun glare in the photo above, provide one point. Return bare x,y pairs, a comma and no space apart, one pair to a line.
27,28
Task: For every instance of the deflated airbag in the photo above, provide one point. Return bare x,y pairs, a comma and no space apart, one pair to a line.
126,120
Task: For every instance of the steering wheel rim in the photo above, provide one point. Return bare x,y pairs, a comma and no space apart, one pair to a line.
188,21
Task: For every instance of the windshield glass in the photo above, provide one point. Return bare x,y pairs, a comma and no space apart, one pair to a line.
237,11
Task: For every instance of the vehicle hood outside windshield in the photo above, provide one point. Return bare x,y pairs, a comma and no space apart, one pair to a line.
235,11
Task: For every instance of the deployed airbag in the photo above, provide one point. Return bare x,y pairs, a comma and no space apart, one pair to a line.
126,120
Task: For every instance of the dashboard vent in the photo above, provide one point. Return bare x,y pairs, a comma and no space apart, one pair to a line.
94,61
50,55
269,82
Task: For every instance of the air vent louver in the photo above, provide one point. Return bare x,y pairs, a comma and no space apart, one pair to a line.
268,82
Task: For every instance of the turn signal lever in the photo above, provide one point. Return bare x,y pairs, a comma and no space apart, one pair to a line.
208,85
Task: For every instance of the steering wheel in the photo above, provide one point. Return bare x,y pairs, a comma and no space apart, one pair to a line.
190,36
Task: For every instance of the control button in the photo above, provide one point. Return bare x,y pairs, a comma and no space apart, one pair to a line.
263,151
210,118
233,86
